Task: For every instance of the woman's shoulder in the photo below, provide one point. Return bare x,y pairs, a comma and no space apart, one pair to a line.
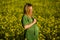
24,16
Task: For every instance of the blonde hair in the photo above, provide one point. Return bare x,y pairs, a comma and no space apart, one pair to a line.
25,7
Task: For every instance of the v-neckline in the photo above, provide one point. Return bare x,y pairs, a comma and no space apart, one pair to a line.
28,16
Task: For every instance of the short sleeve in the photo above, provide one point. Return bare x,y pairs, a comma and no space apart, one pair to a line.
24,21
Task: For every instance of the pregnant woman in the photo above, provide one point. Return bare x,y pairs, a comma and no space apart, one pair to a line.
29,23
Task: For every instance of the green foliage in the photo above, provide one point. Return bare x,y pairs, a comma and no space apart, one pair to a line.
47,13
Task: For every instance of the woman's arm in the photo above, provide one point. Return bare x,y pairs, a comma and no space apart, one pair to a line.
29,25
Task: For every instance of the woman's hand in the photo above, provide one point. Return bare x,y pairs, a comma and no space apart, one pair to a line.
34,21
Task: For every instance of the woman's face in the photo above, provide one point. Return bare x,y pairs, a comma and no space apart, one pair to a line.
30,10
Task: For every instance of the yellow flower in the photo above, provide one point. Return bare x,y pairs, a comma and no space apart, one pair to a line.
6,34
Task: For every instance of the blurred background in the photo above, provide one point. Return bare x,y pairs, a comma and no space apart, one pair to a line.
47,13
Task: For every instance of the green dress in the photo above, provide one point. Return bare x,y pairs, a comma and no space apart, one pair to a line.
32,32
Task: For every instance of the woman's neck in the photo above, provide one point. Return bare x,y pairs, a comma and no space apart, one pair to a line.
29,15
